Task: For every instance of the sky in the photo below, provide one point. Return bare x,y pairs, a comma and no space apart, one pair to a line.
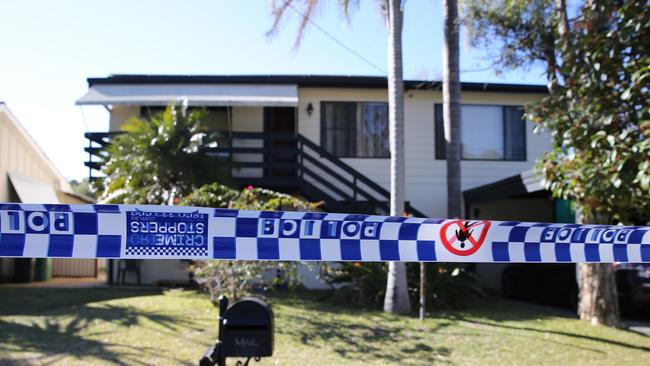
49,48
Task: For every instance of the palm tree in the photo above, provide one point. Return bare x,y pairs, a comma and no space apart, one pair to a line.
397,299
451,105
161,158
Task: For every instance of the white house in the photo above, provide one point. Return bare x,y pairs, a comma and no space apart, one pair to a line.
28,176
326,137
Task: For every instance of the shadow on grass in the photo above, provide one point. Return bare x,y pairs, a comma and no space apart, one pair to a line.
53,343
494,308
41,301
393,344
62,332
389,340
556,332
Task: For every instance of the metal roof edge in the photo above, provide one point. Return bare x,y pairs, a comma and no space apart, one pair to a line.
308,80
31,141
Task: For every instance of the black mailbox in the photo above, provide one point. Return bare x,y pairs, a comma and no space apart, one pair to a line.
248,329
245,330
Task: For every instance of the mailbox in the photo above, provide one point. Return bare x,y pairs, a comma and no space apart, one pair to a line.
245,330
248,329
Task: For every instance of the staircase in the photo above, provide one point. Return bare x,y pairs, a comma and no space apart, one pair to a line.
288,163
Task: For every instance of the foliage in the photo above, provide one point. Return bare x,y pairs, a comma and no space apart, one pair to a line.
306,10
596,62
250,198
83,188
166,160
160,159
515,32
237,278
448,285
362,283
598,109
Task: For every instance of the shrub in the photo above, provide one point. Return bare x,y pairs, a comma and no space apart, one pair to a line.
363,283
237,278
448,285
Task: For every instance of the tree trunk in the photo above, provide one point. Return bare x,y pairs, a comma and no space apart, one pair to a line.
451,105
598,295
397,299
423,303
598,302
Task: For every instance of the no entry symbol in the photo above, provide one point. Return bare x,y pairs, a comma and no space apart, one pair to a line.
464,237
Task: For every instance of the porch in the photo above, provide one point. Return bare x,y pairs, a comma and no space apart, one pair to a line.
283,161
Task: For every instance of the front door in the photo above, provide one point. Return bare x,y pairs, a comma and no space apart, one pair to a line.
280,121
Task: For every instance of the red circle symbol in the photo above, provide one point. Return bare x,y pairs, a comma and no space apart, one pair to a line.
464,237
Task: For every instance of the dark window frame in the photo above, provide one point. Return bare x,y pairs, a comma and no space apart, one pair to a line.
323,128
440,144
153,109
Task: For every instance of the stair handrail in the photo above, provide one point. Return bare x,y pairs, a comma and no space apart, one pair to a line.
344,166
355,173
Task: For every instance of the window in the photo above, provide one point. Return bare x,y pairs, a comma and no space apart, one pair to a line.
488,132
355,130
215,118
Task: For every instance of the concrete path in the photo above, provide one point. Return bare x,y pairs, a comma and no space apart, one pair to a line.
63,282
638,326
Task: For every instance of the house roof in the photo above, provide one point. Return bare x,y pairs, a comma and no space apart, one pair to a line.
35,148
320,81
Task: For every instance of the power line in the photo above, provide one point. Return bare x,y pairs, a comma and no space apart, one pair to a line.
83,118
358,55
477,70
341,44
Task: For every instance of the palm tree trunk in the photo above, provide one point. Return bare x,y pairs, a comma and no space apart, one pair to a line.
451,105
397,299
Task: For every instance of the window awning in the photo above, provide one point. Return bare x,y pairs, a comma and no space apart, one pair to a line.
262,95
31,190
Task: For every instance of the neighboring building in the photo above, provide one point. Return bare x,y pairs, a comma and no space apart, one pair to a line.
326,137
28,176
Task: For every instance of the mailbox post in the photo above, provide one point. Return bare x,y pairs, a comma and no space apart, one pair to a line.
245,330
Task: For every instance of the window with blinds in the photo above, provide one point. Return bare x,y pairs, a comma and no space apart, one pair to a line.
488,132
355,129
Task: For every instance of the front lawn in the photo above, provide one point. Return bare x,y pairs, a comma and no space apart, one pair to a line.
112,326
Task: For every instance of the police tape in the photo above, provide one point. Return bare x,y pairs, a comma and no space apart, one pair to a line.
177,232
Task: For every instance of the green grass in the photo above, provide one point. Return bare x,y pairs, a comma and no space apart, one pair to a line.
139,327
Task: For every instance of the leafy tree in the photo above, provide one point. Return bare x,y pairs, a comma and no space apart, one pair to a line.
397,299
596,63
160,159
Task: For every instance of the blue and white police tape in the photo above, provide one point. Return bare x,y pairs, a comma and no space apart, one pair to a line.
165,232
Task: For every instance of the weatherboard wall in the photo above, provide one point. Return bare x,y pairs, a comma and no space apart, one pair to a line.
19,155
425,176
